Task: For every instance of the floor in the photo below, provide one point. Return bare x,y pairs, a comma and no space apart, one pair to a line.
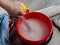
56,35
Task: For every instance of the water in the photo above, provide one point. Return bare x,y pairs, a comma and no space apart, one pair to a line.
38,31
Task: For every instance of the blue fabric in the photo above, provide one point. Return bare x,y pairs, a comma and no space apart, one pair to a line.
4,29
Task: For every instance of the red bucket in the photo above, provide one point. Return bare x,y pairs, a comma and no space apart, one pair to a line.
39,16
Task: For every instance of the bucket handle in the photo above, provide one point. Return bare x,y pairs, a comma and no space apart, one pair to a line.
25,9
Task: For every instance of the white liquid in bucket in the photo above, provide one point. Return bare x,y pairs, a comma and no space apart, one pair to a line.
39,30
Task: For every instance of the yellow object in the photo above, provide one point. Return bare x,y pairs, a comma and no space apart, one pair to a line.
24,7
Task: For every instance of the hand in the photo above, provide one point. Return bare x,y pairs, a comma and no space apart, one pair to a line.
17,9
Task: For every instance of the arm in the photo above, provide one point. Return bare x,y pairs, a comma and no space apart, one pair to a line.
9,6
